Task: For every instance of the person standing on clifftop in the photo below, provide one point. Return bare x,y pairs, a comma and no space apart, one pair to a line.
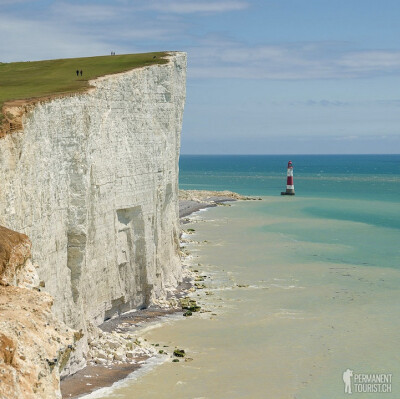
81,72
77,73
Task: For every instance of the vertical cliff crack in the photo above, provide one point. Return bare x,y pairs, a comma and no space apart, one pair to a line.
131,252
75,260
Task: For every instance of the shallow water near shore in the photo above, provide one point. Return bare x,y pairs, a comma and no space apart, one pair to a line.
302,289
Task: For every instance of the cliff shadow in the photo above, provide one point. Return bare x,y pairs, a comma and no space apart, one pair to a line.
131,260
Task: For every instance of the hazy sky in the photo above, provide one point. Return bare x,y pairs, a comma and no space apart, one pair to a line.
264,76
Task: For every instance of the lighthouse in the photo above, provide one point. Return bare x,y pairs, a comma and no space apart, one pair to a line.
289,182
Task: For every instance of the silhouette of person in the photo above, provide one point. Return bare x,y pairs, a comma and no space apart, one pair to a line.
81,72
347,380
77,73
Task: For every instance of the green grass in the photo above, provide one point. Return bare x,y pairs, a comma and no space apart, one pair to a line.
29,80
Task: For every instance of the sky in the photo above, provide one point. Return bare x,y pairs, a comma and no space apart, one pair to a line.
264,76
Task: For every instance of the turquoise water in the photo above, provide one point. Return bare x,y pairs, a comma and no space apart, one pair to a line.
363,190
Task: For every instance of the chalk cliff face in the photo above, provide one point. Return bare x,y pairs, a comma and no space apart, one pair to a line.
93,181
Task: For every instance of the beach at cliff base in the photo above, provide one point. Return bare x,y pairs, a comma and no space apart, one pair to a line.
110,364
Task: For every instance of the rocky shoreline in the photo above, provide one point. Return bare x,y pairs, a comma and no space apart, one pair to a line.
118,349
191,201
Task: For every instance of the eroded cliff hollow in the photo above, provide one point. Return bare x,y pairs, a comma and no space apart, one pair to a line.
92,179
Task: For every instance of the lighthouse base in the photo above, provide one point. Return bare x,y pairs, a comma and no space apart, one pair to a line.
287,193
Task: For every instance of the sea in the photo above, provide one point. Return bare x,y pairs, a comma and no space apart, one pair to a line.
302,292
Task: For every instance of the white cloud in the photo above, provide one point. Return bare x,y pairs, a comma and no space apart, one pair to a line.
35,40
85,12
214,58
12,2
190,7
69,29
119,10
324,103
371,60
118,22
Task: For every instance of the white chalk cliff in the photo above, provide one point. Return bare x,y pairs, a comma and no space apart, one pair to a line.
92,179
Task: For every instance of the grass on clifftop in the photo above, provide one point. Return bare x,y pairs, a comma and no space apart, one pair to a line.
28,80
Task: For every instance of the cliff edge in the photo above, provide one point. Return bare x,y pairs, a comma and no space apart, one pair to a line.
92,179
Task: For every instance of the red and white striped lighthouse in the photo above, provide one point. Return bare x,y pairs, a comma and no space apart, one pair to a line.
289,182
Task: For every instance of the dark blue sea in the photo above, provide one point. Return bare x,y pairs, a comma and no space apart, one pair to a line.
333,176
